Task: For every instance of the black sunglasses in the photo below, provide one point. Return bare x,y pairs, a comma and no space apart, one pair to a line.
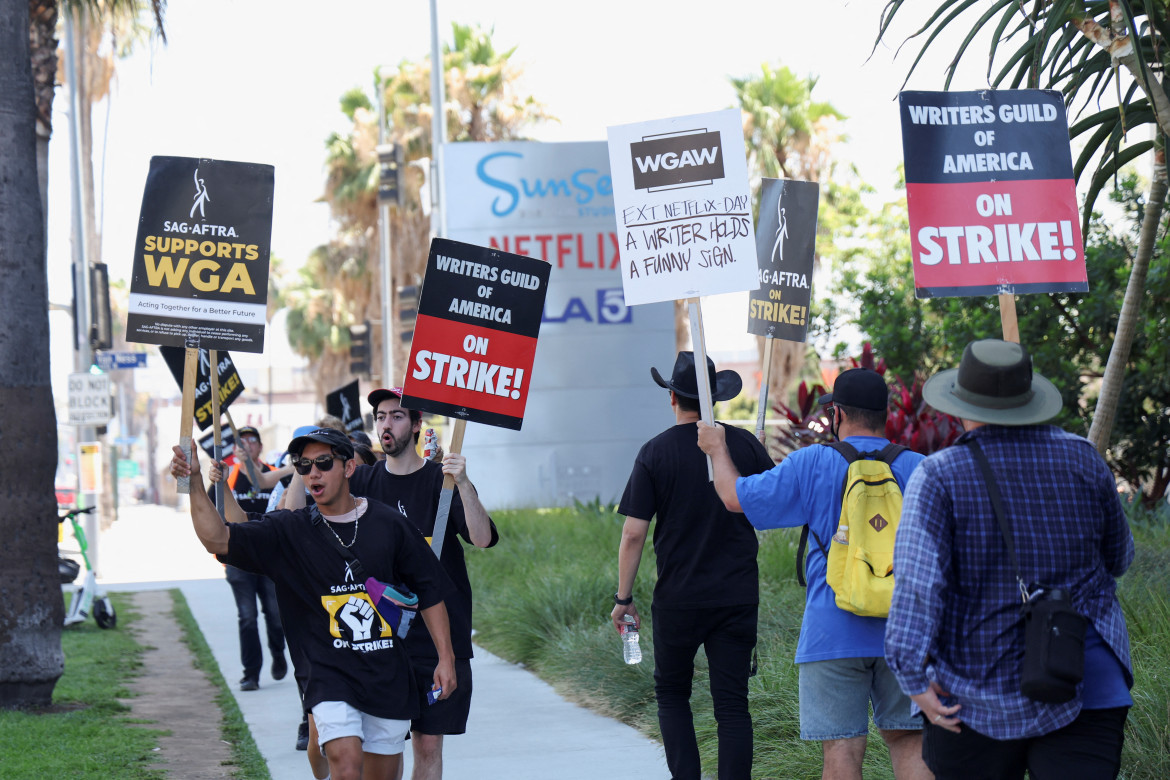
322,462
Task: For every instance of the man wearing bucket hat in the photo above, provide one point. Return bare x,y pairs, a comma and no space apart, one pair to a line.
323,558
955,634
839,654
708,582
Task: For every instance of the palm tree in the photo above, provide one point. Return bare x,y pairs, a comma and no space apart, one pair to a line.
1095,53
482,105
32,612
790,136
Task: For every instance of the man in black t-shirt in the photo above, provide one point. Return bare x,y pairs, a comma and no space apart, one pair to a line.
708,582
248,588
360,689
411,485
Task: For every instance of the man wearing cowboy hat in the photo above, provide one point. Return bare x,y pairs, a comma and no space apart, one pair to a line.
708,583
839,655
955,635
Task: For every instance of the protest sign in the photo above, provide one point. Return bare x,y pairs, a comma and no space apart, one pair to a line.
227,442
990,190
345,404
785,243
230,384
475,339
200,270
683,207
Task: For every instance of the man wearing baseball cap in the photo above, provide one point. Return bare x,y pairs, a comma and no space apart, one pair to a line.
839,654
955,635
412,485
248,588
361,690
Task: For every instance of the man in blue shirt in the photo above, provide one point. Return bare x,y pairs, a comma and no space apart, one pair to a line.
840,654
955,634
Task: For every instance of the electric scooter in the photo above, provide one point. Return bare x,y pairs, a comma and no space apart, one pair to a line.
87,594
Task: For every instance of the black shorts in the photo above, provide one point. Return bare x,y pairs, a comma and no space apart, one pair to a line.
446,716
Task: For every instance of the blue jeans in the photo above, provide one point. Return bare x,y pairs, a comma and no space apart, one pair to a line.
728,636
248,588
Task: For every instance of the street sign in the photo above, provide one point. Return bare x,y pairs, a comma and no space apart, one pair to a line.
89,399
113,361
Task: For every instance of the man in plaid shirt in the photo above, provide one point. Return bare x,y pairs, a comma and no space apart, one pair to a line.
955,634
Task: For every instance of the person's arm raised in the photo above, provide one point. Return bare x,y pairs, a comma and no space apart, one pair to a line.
208,524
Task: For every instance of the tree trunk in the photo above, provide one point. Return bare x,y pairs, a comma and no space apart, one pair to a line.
31,609
1127,320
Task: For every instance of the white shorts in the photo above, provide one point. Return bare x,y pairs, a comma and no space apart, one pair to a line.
336,719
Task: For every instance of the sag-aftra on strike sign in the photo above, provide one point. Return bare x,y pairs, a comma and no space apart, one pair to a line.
989,185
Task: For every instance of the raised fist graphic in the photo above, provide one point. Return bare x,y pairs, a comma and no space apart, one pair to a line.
357,615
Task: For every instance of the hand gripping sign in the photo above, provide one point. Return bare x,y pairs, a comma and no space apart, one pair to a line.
989,185
475,338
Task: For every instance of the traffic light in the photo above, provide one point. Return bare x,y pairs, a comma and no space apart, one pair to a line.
100,331
389,164
407,311
359,348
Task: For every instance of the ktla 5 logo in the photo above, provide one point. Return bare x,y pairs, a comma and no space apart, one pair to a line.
679,160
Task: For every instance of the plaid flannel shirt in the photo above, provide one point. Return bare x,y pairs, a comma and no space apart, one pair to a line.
955,616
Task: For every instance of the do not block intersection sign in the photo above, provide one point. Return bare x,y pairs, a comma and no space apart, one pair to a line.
89,399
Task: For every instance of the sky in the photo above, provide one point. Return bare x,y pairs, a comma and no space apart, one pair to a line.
259,81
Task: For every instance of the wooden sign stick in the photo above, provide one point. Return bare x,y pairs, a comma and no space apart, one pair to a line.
762,414
703,381
217,436
447,493
1007,317
187,415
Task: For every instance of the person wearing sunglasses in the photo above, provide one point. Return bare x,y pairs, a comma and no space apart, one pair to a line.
361,691
248,588
411,485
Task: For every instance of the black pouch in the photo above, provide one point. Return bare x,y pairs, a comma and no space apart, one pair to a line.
1054,648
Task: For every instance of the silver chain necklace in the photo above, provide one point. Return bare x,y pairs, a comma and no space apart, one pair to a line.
357,517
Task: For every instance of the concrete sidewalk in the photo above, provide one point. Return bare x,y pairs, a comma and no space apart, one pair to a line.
519,728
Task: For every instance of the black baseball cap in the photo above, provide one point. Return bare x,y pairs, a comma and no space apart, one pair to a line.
337,441
861,388
248,429
378,396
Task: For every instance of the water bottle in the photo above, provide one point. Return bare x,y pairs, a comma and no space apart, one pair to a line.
842,535
430,444
631,650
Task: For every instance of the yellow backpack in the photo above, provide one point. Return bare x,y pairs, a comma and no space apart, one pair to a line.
861,554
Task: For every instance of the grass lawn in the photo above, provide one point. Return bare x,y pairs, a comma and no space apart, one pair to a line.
87,732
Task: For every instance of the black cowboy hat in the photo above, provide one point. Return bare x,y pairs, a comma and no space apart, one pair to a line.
724,385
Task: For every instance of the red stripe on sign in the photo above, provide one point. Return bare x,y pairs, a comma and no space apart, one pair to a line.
467,365
995,233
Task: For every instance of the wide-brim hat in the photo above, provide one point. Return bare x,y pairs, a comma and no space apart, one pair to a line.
337,441
995,384
724,385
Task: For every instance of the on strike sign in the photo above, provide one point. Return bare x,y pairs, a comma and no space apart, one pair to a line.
989,184
475,338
